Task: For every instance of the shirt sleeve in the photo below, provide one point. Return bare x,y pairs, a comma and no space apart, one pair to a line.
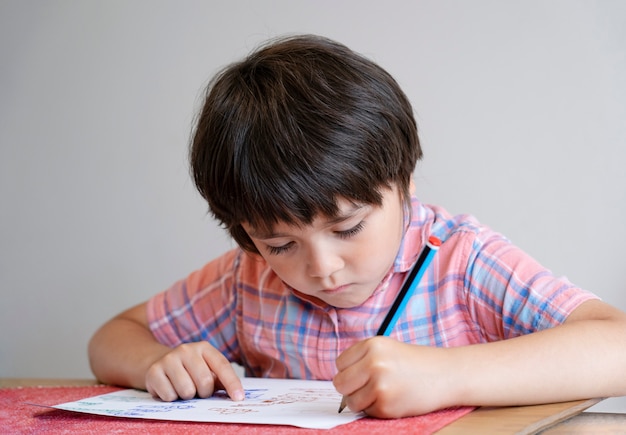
510,294
199,307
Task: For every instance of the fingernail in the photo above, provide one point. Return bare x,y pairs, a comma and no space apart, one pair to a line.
238,395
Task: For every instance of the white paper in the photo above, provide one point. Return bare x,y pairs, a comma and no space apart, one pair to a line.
308,404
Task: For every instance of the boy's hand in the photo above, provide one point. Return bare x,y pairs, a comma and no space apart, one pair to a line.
389,379
190,370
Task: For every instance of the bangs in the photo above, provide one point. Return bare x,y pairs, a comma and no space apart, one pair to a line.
273,183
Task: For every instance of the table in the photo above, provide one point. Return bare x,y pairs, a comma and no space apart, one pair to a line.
549,419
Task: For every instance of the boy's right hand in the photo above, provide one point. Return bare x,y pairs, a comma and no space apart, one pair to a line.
190,370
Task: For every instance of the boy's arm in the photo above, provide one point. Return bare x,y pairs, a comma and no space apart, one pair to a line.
583,358
124,352
123,349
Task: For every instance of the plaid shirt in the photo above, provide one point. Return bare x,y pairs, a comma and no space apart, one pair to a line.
479,288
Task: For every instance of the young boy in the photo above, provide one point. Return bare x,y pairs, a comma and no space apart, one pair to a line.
305,151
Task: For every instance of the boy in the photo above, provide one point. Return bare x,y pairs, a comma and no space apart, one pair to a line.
304,151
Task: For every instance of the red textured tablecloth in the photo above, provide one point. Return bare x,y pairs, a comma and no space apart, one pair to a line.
19,416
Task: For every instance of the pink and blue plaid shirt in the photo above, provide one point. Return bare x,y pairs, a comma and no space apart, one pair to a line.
479,288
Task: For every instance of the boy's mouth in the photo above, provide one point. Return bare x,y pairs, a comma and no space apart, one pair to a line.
335,290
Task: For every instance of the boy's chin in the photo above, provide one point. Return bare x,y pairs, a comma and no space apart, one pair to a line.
348,302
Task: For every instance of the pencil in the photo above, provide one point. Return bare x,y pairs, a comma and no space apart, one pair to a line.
411,281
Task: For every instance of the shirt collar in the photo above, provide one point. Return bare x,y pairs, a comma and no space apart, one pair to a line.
418,221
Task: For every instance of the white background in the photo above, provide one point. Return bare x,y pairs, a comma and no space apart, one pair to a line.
521,107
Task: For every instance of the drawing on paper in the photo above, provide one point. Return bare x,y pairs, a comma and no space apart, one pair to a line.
310,404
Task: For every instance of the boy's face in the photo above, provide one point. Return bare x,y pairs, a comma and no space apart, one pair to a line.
340,260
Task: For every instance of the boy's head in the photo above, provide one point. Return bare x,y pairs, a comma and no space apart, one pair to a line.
296,125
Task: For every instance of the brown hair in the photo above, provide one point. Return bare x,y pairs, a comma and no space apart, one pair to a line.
296,125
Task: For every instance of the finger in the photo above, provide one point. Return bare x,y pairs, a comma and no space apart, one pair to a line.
374,396
159,385
202,376
360,399
224,373
373,401
181,380
173,368
352,371
351,355
351,379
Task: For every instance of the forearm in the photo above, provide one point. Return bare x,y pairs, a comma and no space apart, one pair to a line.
576,360
121,352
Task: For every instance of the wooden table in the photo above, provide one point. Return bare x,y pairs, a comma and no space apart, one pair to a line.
550,419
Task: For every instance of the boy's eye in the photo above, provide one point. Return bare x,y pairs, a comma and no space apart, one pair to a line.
344,234
352,231
276,250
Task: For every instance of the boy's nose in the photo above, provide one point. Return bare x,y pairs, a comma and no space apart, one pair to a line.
322,264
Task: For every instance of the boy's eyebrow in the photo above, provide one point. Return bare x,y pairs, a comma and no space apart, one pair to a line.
343,216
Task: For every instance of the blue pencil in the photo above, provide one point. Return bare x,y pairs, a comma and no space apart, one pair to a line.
411,281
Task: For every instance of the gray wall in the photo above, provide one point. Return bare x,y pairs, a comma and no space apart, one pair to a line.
521,106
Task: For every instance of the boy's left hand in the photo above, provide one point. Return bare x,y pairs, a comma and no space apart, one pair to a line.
386,378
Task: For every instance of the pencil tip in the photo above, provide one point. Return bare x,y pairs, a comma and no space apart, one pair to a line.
342,406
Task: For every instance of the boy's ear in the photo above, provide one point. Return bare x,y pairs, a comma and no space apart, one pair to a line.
412,187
